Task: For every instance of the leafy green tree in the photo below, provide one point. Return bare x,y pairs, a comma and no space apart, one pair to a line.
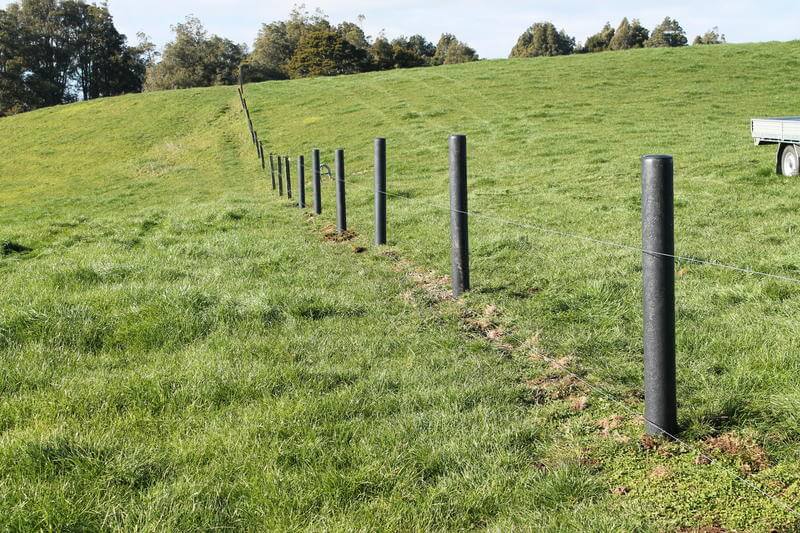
451,51
712,36
271,53
324,52
600,41
381,54
277,42
353,34
193,59
421,47
413,52
668,34
543,39
629,35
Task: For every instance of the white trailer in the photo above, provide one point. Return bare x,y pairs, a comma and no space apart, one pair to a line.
785,132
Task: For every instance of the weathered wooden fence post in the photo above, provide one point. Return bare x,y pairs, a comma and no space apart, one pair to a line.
380,191
316,182
341,203
459,222
658,267
301,182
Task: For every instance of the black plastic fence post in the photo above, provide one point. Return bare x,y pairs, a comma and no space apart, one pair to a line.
380,191
658,267
459,222
301,182
316,182
272,170
341,202
288,178
280,176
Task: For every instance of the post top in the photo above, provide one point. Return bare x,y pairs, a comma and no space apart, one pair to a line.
657,156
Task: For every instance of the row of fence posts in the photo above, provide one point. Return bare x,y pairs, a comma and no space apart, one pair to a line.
658,249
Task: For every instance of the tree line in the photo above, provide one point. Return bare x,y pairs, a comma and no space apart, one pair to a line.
303,45
543,39
59,51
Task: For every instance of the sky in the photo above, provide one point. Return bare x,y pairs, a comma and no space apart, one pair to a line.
491,27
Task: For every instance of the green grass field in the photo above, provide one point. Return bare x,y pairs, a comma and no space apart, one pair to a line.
183,350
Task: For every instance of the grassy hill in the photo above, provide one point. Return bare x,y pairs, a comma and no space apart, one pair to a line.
181,349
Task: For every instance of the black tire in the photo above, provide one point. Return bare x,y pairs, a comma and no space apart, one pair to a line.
790,161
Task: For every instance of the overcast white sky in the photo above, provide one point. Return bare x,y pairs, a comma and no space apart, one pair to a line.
491,27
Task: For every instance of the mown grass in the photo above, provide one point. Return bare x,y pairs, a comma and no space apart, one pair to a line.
182,351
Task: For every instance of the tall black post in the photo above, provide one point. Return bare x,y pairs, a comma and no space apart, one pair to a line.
380,191
301,182
459,223
272,170
263,162
280,176
316,182
288,178
341,203
658,267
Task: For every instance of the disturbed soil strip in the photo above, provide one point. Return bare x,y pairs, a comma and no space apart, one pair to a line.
562,378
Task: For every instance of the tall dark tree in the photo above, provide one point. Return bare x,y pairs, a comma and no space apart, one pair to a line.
104,65
56,51
543,39
14,96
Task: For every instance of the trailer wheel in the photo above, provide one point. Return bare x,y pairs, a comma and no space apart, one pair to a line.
790,160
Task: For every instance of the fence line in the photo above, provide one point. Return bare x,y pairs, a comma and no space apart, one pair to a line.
589,238
603,388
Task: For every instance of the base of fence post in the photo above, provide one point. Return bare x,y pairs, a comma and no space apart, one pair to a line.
316,183
341,202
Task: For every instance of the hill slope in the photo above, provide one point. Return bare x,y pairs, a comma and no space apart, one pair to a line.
183,350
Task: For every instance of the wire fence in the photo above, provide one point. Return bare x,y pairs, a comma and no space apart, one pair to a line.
601,389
